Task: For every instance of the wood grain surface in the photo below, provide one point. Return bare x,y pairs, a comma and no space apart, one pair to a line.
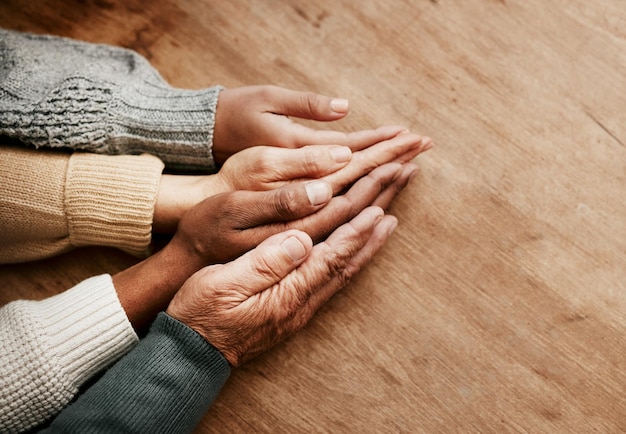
499,303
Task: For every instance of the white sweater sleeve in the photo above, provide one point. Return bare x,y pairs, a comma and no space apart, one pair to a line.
49,348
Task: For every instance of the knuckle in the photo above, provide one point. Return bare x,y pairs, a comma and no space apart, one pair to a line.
286,203
263,267
336,263
310,160
349,205
367,165
312,101
266,92
264,160
345,276
376,182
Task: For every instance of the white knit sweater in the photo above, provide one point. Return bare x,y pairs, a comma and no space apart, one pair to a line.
49,348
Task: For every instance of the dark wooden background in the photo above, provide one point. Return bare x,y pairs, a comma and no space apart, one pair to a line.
498,305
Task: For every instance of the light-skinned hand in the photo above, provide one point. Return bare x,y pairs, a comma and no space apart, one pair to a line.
261,116
265,167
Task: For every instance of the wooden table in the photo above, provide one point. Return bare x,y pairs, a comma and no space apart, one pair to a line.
498,305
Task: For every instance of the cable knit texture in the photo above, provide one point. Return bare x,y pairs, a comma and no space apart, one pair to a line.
49,348
51,202
58,92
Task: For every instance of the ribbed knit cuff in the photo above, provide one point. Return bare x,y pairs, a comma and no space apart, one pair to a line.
109,200
175,124
165,384
197,351
86,327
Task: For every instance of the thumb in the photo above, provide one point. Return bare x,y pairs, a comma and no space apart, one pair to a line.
268,263
308,105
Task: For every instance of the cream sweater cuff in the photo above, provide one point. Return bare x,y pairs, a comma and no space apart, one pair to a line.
86,327
109,200
50,348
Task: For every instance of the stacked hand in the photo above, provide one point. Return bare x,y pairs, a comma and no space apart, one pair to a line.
304,207
265,168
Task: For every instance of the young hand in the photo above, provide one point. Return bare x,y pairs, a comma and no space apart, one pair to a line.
265,167
260,115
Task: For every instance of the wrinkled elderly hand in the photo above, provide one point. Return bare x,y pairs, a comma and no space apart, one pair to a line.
259,115
246,306
225,226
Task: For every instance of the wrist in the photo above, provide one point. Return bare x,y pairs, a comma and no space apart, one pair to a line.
146,288
179,193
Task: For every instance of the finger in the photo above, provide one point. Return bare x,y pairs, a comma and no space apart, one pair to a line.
385,198
331,257
264,266
357,140
426,144
356,261
308,105
249,209
342,209
401,148
319,224
307,162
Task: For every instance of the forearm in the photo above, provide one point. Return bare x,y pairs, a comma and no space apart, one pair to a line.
49,348
165,384
146,288
101,99
55,201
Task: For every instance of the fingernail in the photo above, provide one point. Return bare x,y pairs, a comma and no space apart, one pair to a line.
392,227
427,143
339,105
294,248
318,192
341,154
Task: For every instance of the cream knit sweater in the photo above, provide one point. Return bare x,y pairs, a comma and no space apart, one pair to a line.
51,202
49,348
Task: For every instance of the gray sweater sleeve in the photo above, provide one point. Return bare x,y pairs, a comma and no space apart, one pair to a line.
164,385
59,92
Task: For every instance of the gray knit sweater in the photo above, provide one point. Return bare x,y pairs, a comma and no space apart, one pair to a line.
59,92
